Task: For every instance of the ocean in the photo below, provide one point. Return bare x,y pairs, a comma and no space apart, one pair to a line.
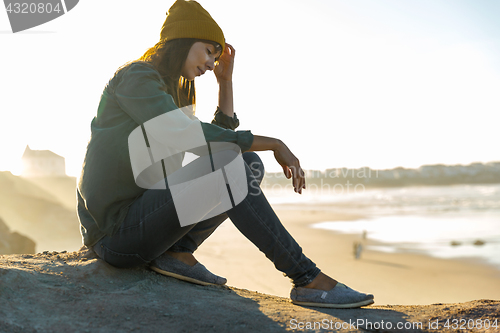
455,221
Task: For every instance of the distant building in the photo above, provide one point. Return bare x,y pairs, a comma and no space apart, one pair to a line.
42,163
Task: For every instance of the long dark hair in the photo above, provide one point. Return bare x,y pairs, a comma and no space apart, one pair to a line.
168,57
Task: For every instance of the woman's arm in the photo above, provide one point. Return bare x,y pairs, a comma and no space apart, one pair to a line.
290,164
226,98
224,74
287,160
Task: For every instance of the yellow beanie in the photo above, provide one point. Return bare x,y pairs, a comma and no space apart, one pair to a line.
188,19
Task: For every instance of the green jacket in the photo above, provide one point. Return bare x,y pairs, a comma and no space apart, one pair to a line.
106,186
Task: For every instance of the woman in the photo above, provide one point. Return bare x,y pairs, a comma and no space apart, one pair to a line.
128,225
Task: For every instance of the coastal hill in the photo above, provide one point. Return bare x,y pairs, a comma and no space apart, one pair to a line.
76,292
439,174
14,242
33,211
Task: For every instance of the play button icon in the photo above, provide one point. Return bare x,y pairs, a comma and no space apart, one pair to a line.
28,14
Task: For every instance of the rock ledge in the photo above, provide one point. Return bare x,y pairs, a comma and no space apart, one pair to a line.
76,292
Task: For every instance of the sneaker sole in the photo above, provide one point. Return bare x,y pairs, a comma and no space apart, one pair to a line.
183,278
336,306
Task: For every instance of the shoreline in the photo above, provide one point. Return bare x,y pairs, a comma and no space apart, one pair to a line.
399,248
394,278
348,216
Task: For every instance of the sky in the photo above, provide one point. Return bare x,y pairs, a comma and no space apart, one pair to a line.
343,83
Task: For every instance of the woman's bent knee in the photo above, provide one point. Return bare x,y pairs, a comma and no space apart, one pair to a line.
255,164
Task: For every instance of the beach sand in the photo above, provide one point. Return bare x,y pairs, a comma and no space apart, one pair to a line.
394,278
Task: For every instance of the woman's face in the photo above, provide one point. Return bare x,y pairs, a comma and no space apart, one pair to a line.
201,57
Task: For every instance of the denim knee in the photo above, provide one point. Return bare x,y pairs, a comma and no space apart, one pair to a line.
255,164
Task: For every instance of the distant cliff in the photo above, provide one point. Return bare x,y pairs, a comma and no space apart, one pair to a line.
475,173
36,213
12,242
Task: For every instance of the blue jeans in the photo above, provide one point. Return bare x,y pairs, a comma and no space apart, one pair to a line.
151,227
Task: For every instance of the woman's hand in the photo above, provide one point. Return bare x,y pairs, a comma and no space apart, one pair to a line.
291,167
288,161
224,69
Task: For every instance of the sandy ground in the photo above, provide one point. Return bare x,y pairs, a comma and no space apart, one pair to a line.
73,292
76,292
406,279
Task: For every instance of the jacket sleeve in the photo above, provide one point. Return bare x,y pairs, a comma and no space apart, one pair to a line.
224,121
139,93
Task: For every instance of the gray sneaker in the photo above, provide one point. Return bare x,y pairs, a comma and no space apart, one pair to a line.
340,297
198,273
